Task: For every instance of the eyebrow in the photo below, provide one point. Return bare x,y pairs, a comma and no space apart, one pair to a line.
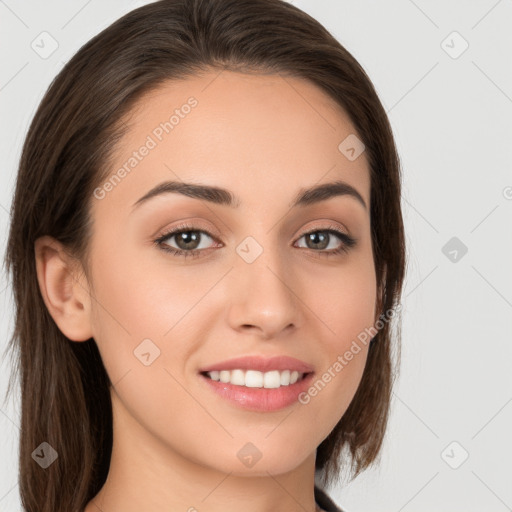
222,196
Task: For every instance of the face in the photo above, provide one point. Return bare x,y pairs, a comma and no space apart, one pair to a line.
260,277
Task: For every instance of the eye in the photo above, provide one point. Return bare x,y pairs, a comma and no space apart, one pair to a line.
324,237
188,238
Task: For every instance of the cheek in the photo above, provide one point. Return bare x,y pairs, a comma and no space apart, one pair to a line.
345,354
135,296
142,312
343,299
344,302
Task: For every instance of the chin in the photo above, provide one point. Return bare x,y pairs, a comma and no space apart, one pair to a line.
276,463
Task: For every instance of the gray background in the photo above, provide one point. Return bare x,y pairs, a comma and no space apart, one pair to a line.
451,113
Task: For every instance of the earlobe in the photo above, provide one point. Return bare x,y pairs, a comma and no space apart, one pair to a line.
65,294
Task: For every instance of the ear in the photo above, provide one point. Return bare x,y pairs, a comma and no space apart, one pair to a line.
65,291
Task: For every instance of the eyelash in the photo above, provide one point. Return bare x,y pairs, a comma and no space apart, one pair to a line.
348,241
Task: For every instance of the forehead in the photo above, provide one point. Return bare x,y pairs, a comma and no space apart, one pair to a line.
258,135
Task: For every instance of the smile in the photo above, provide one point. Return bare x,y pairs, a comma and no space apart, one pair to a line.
256,379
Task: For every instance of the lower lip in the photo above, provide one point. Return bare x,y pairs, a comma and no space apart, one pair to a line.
260,399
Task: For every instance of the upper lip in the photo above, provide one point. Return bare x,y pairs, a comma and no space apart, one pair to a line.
260,363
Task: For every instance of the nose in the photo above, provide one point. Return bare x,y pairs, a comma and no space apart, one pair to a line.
263,295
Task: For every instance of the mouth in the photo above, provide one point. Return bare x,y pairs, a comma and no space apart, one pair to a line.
255,379
258,382
257,391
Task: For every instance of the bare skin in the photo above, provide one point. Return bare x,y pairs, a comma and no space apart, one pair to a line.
264,138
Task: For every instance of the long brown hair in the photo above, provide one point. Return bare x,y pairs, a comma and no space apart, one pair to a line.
65,399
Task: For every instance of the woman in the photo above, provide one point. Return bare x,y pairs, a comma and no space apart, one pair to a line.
206,249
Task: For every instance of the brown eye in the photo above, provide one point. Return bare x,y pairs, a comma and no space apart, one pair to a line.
320,239
187,239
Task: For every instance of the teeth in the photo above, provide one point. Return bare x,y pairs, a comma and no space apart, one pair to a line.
255,379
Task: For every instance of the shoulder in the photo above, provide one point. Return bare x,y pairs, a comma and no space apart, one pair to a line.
325,502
